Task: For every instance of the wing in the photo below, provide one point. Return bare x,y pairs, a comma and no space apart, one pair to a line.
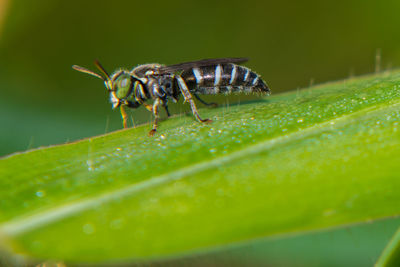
200,63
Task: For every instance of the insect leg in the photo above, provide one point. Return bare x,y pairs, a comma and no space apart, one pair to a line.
124,116
188,98
155,108
204,102
166,109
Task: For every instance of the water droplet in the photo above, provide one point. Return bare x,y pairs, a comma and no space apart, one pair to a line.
213,150
88,229
119,149
89,163
395,126
40,193
300,120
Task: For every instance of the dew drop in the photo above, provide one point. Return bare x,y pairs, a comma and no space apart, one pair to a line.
40,193
89,163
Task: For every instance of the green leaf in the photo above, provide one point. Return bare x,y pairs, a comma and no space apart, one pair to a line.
297,162
391,254
341,246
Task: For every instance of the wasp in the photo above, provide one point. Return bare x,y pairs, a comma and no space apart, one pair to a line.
131,89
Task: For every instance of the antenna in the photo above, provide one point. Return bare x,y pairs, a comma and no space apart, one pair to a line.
100,67
84,70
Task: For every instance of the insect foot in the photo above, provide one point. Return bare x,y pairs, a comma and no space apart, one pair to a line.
206,121
152,132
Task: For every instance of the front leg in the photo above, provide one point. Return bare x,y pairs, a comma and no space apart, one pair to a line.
124,115
188,98
156,105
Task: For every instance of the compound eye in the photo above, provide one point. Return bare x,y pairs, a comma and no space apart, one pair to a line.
124,83
123,87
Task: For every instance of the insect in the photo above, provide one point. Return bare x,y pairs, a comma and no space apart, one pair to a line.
131,89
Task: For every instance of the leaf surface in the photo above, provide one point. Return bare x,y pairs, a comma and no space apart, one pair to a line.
301,161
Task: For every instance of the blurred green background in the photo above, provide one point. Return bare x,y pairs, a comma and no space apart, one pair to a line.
290,43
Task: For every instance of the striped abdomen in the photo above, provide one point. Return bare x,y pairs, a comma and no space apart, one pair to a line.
223,78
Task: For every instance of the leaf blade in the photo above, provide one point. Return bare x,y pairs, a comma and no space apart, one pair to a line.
278,132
